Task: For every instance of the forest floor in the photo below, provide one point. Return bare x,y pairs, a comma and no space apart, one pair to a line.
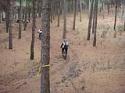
87,69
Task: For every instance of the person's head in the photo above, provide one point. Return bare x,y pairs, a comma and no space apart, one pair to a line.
65,40
41,30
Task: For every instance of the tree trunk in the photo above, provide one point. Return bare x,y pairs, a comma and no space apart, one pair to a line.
20,20
108,8
53,11
25,19
58,24
23,10
93,17
124,25
90,21
80,10
39,7
74,21
10,24
116,10
33,30
102,9
51,14
0,16
90,3
7,19
64,14
12,14
72,6
95,21
45,44
122,11
28,13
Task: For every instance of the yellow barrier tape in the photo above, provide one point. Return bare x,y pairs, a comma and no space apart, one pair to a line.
45,66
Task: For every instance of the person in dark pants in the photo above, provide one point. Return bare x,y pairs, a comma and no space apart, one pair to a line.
64,47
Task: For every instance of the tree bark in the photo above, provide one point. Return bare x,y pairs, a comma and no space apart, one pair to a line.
39,7
80,10
33,30
0,17
108,8
10,24
7,19
124,25
20,20
95,22
58,24
64,14
74,21
116,10
90,3
25,18
51,14
45,44
90,21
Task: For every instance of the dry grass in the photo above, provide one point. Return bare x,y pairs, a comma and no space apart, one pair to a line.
87,69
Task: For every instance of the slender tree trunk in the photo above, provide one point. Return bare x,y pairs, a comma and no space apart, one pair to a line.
7,19
15,13
64,11
124,15
51,14
45,44
124,25
20,20
68,7
25,19
90,3
108,8
29,13
23,13
10,24
74,21
93,17
3,15
18,12
40,9
72,7
95,22
102,8
122,11
116,10
80,10
58,24
12,14
33,30
0,16
90,21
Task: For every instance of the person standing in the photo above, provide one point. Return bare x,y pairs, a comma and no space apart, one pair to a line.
64,46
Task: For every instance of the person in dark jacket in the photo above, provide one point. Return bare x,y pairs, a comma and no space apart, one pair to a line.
64,46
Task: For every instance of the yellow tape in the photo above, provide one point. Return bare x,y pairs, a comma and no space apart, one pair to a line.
45,66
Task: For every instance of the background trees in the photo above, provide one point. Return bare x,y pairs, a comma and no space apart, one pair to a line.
26,10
